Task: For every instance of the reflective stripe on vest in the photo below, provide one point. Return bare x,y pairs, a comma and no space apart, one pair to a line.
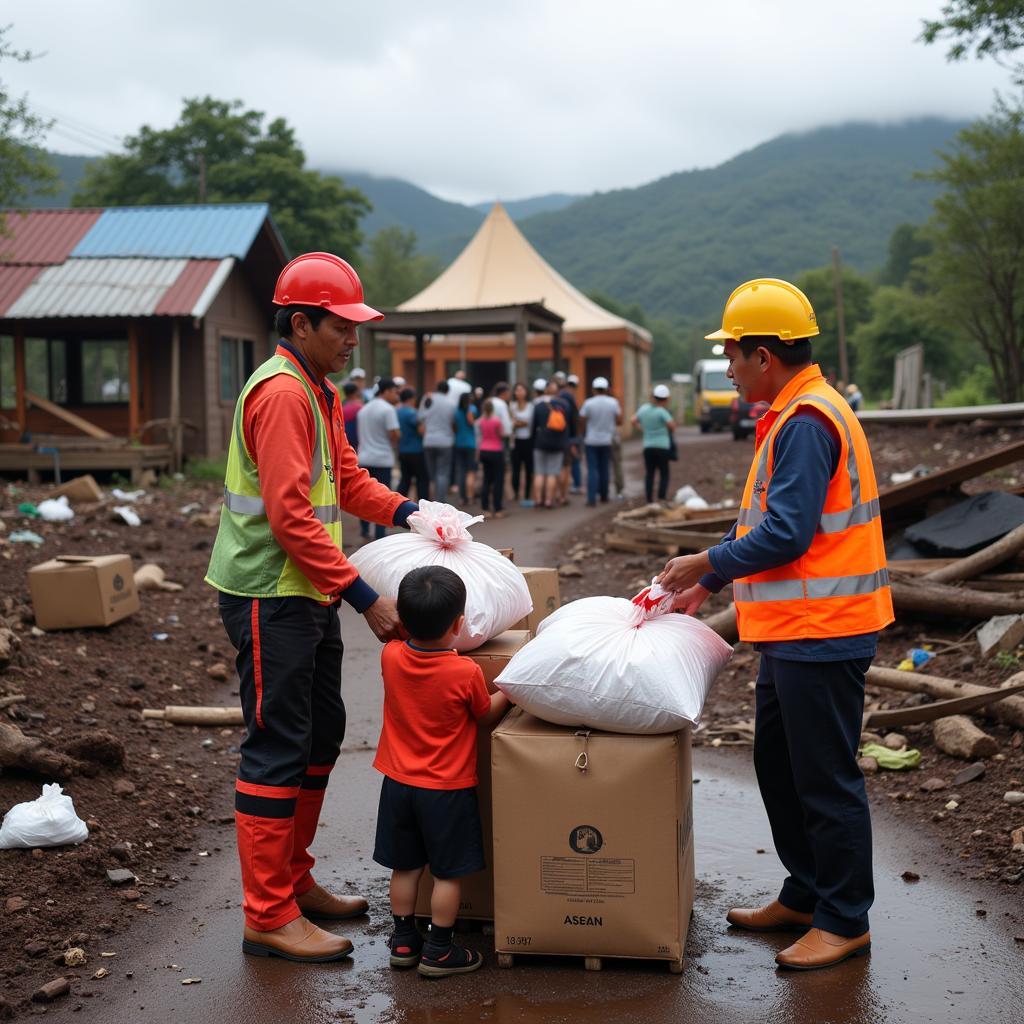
245,505
830,522
797,590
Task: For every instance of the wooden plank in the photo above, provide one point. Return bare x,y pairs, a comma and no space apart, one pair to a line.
914,491
19,377
133,379
689,540
619,543
68,417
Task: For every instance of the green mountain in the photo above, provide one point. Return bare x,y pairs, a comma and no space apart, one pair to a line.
679,245
397,202
521,208
71,169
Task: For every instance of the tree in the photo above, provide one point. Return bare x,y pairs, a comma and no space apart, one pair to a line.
218,152
986,28
24,168
977,264
820,287
909,245
901,318
393,270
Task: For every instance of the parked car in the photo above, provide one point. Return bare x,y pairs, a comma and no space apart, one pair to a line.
743,417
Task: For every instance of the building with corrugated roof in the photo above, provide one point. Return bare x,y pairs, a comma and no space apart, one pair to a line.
499,267
126,321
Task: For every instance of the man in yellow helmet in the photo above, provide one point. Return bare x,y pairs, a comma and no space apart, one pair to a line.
280,570
807,563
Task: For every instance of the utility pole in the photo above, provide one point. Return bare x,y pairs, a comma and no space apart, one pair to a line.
844,368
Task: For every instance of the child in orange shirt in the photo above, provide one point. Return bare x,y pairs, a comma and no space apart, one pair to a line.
433,699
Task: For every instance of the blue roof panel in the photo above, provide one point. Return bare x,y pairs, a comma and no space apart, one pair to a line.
174,232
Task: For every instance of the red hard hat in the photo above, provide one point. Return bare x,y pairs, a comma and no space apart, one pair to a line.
323,279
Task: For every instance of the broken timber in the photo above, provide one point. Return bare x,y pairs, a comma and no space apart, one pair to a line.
938,709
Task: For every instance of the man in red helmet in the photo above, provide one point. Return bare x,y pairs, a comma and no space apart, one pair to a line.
279,567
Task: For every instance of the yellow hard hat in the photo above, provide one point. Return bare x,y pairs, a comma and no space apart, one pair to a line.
767,306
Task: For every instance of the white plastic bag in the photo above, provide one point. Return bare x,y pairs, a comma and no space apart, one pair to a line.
56,510
496,592
128,514
623,666
49,820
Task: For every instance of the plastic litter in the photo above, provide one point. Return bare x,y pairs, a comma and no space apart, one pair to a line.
151,577
129,496
161,636
683,495
129,515
49,820
916,657
894,760
56,510
26,508
496,592
25,537
625,666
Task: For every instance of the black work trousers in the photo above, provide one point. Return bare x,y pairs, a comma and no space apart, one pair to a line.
414,469
522,467
493,491
806,735
289,671
656,460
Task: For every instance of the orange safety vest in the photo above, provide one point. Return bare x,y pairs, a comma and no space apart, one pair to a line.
840,587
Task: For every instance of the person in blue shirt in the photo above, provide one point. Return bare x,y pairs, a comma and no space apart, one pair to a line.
465,448
411,459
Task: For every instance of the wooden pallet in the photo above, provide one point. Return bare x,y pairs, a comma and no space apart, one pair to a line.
590,963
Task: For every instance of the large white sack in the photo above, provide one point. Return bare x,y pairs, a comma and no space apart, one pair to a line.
49,820
608,663
496,592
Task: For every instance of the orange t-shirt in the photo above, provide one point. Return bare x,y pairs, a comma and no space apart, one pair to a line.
432,700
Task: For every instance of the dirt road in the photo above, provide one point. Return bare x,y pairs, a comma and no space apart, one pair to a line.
943,949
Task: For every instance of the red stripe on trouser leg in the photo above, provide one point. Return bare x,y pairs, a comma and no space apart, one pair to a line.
257,663
265,851
307,816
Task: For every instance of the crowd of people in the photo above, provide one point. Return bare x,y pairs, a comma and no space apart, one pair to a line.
525,444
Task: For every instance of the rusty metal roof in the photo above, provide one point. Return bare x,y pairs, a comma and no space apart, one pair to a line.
44,236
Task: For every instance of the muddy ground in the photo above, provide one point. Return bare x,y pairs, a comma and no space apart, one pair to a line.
169,803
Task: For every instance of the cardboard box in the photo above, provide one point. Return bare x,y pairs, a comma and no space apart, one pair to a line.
593,841
477,901
81,488
543,584
509,553
80,590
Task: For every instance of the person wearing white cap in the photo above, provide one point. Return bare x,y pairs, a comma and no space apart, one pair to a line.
658,426
358,377
599,417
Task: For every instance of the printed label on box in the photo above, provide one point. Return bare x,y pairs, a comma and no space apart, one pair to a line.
592,876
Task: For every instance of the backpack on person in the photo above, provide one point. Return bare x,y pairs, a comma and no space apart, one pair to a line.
556,419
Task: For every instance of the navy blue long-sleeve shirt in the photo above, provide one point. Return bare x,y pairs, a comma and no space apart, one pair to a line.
806,459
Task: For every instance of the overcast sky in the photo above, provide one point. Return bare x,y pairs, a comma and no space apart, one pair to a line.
478,101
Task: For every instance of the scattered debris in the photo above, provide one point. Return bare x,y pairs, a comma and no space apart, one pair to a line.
959,737
121,876
52,990
218,671
74,957
1001,633
127,514
969,774
1014,798
178,715
151,577
910,876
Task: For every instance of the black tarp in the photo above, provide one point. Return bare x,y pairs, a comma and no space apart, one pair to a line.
962,529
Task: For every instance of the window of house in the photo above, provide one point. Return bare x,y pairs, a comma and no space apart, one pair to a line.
46,368
7,384
104,371
236,366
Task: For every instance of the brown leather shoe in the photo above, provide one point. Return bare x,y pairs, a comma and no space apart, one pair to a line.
319,903
819,948
773,918
299,940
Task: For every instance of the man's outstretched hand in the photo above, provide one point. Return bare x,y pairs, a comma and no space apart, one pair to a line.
683,572
382,618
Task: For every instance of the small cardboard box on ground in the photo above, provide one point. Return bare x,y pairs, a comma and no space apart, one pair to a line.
477,902
74,591
543,584
80,488
593,841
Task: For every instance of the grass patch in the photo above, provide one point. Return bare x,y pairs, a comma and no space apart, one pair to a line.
207,469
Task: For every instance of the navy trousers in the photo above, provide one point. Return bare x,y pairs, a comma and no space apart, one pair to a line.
806,735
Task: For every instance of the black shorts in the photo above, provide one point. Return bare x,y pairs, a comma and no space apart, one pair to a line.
439,827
